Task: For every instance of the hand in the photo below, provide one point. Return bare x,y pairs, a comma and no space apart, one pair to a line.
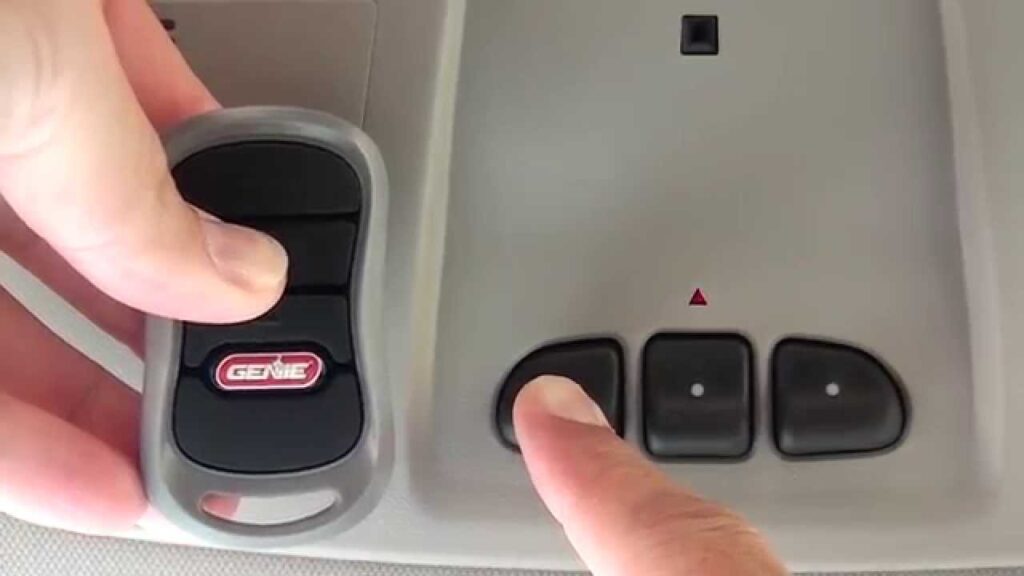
622,515
89,207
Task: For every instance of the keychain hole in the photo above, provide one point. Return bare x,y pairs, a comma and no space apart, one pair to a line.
268,510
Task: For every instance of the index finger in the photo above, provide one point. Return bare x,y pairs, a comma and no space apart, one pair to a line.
621,514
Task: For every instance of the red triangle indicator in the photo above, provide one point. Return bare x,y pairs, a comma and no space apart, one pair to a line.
698,298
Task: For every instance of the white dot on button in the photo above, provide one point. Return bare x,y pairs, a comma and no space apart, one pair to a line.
832,389
697,390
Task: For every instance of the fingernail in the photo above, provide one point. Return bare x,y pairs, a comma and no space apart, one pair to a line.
563,398
248,258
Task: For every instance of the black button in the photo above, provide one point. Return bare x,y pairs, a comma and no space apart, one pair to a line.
320,320
596,365
831,399
697,396
700,35
268,179
319,252
268,432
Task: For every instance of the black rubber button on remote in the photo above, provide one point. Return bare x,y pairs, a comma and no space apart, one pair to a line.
321,319
596,365
268,432
830,399
268,179
319,252
698,396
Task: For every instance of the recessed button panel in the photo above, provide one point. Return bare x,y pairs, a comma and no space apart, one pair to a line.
832,400
697,396
596,365
322,320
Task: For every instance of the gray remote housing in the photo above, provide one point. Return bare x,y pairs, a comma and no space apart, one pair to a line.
176,484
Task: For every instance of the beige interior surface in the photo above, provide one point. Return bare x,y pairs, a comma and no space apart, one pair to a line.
311,54
558,169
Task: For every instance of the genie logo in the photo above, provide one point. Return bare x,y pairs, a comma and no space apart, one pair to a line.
269,371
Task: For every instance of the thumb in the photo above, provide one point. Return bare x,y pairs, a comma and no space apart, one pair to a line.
621,514
83,167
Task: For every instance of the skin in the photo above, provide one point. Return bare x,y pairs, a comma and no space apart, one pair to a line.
620,512
87,205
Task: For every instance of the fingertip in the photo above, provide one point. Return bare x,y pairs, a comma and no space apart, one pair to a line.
552,396
53,474
250,260
124,501
188,266
244,269
222,505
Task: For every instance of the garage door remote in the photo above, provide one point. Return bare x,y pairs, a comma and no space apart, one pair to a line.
294,402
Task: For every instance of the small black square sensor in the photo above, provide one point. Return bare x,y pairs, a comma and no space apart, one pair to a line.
700,35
